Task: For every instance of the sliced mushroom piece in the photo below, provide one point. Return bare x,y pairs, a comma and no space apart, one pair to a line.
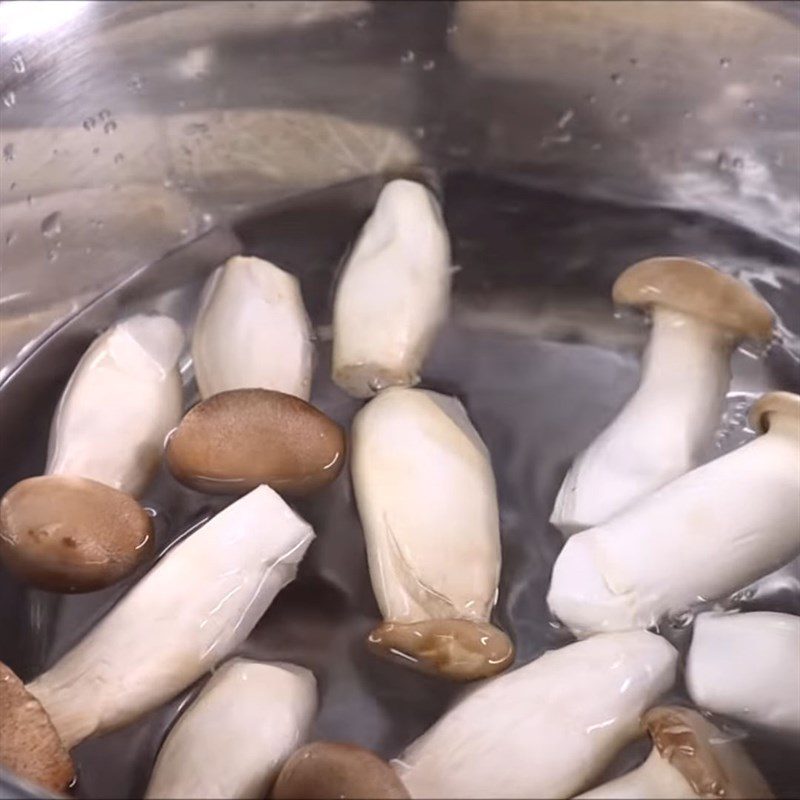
237,440
233,739
197,604
252,331
68,534
426,496
699,315
546,729
692,759
393,293
122,400
337,771
747,666
702,537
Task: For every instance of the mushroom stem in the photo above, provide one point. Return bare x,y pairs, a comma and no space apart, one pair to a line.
653,780
663,430
252,331
546,729
198,603
745,666
122,400
702,537
426,496
393,293
233,739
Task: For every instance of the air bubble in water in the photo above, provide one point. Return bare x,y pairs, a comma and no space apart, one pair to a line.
8,152
737,163
777,79
616,78
52,255
623,117
565,119
723,161
89,123
96,151
51,225
682,621
207,219
724,62
18,63
104,114
408,57
419,132
11,238
9,99
429,65
136,82
110,126
119,158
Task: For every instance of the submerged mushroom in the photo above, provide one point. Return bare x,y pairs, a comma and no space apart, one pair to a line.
702,537
337,771
68,534
196,605
546,729
426,496
746,666
698,316
252,331
393,293
232,740
691,759
237,440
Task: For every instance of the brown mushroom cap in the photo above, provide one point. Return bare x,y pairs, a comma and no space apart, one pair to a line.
778,403
713,766
323,770
70,534
29,744
237,440
696,289
458,649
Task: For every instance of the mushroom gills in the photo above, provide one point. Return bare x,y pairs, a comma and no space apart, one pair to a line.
122,400
702,537
666,428
546,729
426,496
196,605
252,331
234,737
746,666
393,293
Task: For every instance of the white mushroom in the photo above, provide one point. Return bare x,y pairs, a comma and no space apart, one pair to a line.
120,403
426,496
252,331
691,759
747,666
698,316
233,739
701,537
393,294
197,604
546,729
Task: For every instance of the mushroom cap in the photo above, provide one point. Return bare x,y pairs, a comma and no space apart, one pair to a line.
69,534
773,403
696,289
29,744
323,770
459,649
713,766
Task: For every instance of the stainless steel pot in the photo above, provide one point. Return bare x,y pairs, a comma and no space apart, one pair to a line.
588,133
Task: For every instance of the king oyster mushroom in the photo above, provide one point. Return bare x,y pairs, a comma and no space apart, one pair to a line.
393,293
746,666
196,605
691,759
78,528
252,331
546,729
698,316
233,739
426,496
337,771
701,537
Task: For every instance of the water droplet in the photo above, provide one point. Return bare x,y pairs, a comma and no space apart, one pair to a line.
408,57
18,63
10,238
565,119
195,128
623,117
8,152
429,65
89,123
616,78
119,158
207,219
136,82
724,62
51,225
110,126
104,114
777,79
9,99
